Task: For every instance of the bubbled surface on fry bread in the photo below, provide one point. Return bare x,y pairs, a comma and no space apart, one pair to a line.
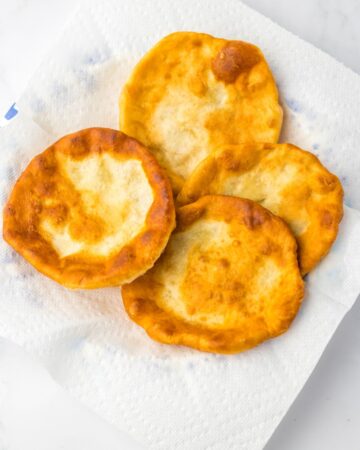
290,182
93,210
228,279
193,92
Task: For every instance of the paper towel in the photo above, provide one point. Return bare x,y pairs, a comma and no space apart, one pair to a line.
173,397
36,413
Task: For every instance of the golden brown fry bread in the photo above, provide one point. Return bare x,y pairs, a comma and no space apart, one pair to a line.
193,92
290,182
93,210
228,279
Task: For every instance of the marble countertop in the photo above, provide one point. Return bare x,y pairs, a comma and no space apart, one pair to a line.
326,414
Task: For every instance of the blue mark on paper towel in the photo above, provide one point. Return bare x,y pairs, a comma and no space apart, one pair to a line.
294,105
37,105
298,108
12,112
77,342
60,91
97,57
86,78
8,256
10,173
344,182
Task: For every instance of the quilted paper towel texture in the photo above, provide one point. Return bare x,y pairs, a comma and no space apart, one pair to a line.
168,397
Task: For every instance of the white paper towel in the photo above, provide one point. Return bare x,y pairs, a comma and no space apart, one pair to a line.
168,397
36,413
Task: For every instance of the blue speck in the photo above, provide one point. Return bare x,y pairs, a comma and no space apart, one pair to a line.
10,173
8,256
294,105
315,146
11,113
60,91
77,342
86,79
37,105
348,203
97,57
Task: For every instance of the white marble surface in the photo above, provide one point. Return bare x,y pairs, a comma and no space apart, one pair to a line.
326,413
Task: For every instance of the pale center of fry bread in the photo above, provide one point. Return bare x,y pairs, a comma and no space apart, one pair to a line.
259,186
188,109
110,190
214,275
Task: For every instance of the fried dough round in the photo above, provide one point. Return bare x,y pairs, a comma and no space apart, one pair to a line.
193,92
95,209
290,182
228,279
